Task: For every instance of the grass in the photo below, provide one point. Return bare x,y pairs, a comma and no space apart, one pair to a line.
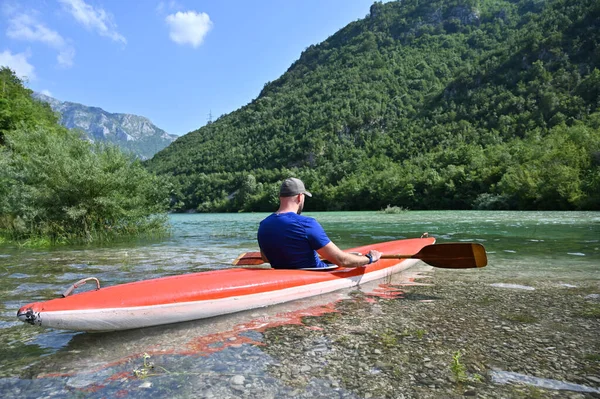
36,242
143,371
343,340
458,369
327,318
533,393
398,372
418,332
146,368
330,318
487,300
590,312
521,318
275,337
389,339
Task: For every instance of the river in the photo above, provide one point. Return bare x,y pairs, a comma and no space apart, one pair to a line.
205,358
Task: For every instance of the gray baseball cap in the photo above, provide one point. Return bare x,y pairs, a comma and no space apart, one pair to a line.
291,187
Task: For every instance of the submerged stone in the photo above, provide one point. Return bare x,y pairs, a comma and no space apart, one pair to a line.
512,286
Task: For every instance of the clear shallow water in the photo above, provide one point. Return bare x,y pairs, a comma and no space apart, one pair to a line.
523,247
506,377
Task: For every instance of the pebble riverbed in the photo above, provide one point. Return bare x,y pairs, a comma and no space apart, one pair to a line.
464,334
438,334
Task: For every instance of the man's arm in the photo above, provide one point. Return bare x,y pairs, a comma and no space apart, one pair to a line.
333,254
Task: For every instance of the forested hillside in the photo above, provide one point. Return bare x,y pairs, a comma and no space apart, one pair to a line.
443,104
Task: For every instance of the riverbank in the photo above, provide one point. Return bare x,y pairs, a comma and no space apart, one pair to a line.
461,335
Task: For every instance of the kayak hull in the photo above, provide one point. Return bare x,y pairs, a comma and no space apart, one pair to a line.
206,294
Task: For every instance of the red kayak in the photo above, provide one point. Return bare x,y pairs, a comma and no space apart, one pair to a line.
205,294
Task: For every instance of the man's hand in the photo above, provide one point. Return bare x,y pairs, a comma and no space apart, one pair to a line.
375,255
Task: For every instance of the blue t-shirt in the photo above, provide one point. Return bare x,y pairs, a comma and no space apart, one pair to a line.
290,241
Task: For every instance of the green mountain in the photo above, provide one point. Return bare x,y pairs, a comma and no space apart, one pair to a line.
132,133
447,104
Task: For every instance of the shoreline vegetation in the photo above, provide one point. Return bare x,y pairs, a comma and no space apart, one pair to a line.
56,188
424,105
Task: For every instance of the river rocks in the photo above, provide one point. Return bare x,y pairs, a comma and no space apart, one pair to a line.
593,297
448,347
237,380
512,286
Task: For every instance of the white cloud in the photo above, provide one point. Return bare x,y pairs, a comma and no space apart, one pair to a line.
18,63
65,57
46,93
170,5
26,27
94,18
188,27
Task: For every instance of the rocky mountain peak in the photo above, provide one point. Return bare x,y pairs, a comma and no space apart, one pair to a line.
133,133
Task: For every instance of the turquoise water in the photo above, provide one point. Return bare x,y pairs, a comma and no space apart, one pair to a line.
527,246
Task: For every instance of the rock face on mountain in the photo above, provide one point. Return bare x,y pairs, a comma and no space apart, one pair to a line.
133,133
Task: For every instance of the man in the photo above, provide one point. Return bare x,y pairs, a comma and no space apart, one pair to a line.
289,240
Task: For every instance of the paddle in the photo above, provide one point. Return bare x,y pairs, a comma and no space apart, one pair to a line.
450,255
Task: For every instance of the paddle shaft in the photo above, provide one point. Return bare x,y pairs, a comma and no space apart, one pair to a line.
396,256
447,256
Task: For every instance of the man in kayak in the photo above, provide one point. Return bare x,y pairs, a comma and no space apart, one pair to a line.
289,240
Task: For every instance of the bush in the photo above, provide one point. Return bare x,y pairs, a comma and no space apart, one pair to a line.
394,209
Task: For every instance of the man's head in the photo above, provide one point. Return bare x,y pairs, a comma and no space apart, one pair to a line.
291,187
293,190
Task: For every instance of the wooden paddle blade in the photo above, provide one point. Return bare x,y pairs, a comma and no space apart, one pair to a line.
453,255
249,259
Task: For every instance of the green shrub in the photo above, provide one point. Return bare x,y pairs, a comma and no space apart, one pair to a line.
394,209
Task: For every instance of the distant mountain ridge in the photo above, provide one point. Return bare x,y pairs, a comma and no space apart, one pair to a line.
133,133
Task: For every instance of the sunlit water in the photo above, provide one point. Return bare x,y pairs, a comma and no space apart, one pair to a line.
209,356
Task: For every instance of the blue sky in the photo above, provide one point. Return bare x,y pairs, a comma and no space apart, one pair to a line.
174,61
